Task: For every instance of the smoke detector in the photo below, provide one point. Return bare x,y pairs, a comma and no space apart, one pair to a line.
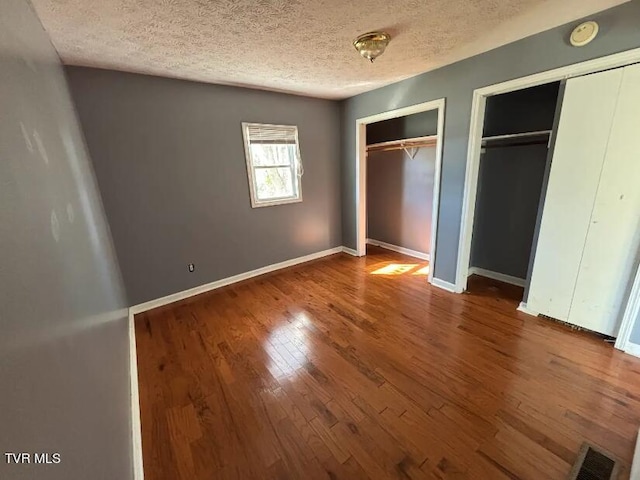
583,34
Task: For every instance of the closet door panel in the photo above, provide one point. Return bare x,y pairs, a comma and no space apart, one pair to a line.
613,237
581,141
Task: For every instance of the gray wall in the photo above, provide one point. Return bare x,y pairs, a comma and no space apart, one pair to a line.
400,197
64,349
528,110
509,187
619,31
169,158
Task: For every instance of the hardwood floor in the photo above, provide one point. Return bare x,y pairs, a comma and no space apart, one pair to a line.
356,368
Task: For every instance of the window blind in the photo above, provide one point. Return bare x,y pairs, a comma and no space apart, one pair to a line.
272,134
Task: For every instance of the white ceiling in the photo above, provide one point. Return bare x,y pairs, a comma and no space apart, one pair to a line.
297,46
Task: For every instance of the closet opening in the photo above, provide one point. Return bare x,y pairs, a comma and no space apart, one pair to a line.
398,171
515,159
401,161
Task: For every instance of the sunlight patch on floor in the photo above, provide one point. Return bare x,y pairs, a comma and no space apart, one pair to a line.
395,269
422,271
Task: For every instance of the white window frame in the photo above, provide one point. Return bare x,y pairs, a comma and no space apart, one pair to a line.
296,168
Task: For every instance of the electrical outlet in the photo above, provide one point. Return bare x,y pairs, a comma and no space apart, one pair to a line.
191,267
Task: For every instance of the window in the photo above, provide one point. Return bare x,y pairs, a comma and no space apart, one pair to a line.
273,163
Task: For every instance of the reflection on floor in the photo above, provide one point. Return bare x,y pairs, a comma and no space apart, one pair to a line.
357,368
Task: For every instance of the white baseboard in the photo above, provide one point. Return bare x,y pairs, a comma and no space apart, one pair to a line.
136,427
350,251
501,277
632,349
449,287
396,248
524,309
635,464
175,297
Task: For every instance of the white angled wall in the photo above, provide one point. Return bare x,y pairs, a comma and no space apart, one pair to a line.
588,107
590,231
613,239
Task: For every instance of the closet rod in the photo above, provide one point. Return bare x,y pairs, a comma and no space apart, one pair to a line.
517,139
416,142
509,145
514,136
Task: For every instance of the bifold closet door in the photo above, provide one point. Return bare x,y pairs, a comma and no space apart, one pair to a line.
586,116
613,239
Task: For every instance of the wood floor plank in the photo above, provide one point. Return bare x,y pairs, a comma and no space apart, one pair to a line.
356,368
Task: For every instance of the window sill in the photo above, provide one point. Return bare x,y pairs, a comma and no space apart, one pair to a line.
273,203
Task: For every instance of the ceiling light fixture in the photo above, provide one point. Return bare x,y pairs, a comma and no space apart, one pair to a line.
371,45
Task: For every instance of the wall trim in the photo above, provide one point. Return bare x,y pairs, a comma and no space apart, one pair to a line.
136,426
361,171
630,315
501,277
449,287
350,251
475,137
632,349
524,309
207,287
635,463
396,248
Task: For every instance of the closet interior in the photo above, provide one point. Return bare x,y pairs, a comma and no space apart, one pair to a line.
401,162
513,161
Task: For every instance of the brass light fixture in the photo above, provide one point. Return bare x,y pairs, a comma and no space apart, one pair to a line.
371,45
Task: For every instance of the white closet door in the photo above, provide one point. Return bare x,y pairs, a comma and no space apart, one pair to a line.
587,111
613,237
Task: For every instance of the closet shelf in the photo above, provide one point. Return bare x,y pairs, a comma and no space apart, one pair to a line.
528,138
404,144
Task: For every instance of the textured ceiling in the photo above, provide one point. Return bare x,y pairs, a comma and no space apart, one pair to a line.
298,46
